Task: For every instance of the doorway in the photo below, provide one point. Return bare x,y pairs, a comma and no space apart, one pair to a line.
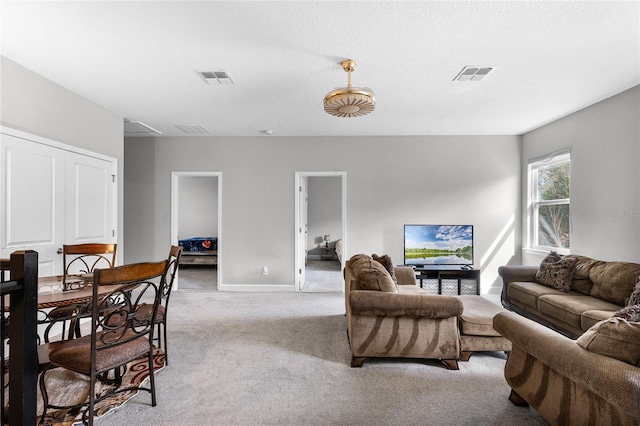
320,231
196,222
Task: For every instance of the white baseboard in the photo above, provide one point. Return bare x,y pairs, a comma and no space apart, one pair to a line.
271,288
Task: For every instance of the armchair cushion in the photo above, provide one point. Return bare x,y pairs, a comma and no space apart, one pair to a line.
615,338
371,275
557,271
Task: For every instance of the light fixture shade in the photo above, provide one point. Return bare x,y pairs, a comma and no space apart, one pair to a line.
349,101
327,238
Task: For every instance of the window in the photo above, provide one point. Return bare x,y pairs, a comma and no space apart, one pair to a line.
549,195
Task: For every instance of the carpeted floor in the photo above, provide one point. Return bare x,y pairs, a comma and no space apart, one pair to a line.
198,277
283,359
323,276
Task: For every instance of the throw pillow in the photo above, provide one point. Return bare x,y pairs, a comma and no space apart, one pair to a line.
630,313
615,338
556,271
371,275
388,265
634,299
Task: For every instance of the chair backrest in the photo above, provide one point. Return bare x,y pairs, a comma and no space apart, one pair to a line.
79,259
114,316
173,261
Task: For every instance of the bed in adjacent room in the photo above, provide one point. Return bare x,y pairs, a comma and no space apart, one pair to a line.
199,251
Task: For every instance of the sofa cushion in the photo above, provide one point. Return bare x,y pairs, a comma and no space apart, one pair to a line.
614,281
526,293
589,318
580,281
371,275
386,261
568,307
557,271
615,338
634,299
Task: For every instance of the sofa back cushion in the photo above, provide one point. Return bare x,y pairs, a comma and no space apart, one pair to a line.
580,281
371,275
614,281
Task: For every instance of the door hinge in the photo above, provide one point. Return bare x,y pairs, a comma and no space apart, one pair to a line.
113,178
113,232
300,271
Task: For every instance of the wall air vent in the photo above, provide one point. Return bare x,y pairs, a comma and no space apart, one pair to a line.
216,77
138,128
473,73
192,129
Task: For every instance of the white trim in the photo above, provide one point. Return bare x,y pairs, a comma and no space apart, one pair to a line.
55,144
175,198
271,288
297,176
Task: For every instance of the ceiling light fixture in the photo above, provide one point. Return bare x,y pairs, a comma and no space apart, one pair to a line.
350,101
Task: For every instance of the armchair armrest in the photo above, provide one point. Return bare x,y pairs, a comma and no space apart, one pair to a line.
611,379
405,275
378,303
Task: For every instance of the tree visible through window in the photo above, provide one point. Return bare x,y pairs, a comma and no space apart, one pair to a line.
550,195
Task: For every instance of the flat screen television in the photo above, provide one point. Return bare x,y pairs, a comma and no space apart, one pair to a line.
436,245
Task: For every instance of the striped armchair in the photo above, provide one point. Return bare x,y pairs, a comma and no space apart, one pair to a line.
385,319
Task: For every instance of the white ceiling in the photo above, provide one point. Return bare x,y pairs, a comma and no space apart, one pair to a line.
139,60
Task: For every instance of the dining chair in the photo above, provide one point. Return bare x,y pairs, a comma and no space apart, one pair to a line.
173,262
80,260
119,334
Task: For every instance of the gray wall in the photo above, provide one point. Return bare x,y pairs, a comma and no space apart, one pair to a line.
390,181
198,207
605,176
35,105
324,212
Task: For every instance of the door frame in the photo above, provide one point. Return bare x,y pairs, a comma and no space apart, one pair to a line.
343,180
175,199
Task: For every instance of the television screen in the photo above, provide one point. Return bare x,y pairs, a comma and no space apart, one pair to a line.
438,245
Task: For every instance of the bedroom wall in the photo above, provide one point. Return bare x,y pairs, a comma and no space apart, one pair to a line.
198,209
324,212
605,178
390,181
36,105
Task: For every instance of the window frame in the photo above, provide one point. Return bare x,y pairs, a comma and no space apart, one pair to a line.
533,166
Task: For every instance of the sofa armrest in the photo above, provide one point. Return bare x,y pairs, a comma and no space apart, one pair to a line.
611,379
517,273
405,275
514,273
378,303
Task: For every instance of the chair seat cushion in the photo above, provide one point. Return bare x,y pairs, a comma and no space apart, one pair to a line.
76,354
145,311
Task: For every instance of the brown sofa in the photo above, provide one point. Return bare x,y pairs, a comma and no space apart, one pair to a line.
385,319
598,289
565,383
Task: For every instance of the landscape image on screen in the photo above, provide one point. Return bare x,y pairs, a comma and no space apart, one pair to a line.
438,244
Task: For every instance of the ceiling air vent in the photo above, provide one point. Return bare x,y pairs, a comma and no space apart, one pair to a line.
192,129
216,77
473,73
139,128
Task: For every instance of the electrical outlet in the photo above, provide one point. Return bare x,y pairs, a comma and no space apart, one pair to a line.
265,270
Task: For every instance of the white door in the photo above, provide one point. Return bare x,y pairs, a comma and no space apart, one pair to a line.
90,187
302,230
50,197
32,201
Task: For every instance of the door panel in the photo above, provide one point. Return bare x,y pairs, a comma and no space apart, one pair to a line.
89,192
32,204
